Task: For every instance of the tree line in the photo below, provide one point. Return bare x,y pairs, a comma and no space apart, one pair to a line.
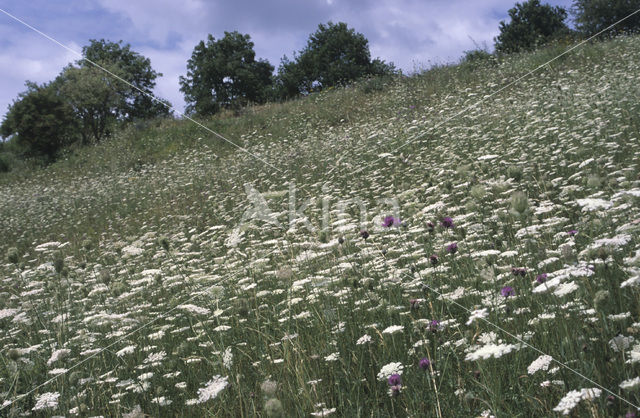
85,104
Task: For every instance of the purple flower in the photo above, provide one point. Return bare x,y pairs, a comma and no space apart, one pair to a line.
433,259
430,226
572,232
519,271
434,325
390,221
447,222
424,363
364,234
395,380
541,278
452,248
415,303
507,291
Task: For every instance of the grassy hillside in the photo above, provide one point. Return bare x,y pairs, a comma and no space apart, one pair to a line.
136,273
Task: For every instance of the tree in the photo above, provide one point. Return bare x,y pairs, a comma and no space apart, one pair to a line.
96,98
40,121
132,67
592,16
334,55
532,24
225,73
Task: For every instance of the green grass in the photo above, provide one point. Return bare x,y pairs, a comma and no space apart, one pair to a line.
149,229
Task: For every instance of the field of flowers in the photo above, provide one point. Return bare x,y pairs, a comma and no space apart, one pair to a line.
390,261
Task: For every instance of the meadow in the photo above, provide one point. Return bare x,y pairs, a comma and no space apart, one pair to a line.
389,260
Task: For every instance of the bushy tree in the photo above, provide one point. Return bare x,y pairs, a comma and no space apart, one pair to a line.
224,73
96,98
532,24
592,16
41,121
335,54
135,69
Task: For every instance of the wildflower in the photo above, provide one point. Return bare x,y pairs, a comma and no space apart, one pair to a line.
519,271
393,329
364,234
572,398
541,363
447,222
388,370
430,226
390,221
572,232
452,248
366,338
394,379
434,325
541,278
46,400
477,314
424,363
414,303
434,260
507,291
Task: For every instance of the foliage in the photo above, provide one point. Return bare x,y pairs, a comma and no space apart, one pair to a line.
334,55
95,97
592,16
224,73
532,24
135,102
41,120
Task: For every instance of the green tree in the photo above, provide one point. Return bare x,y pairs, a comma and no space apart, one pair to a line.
334,55
592,16
532,24
135,69
224,73
96,98
41,121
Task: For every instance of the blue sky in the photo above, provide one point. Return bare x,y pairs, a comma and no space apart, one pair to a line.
413,34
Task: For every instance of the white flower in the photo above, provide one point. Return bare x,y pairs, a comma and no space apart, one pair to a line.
126,350
212,388
541,363
630,384
227,358
477,314
491,350
393,329
46,400
620,343
389,369
366,338
332,357
162,401
195,309
572,398
324,412
58,355
589,205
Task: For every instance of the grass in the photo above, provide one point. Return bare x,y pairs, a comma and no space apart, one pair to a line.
136,257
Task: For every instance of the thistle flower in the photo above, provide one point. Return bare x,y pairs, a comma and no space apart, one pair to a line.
424,363
364,234
434,260
394,379
452,248
390,221
507,291
541,278
447,222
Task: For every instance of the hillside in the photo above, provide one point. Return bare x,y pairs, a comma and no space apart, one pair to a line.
168,271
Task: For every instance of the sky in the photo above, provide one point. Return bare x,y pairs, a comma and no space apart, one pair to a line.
413,34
